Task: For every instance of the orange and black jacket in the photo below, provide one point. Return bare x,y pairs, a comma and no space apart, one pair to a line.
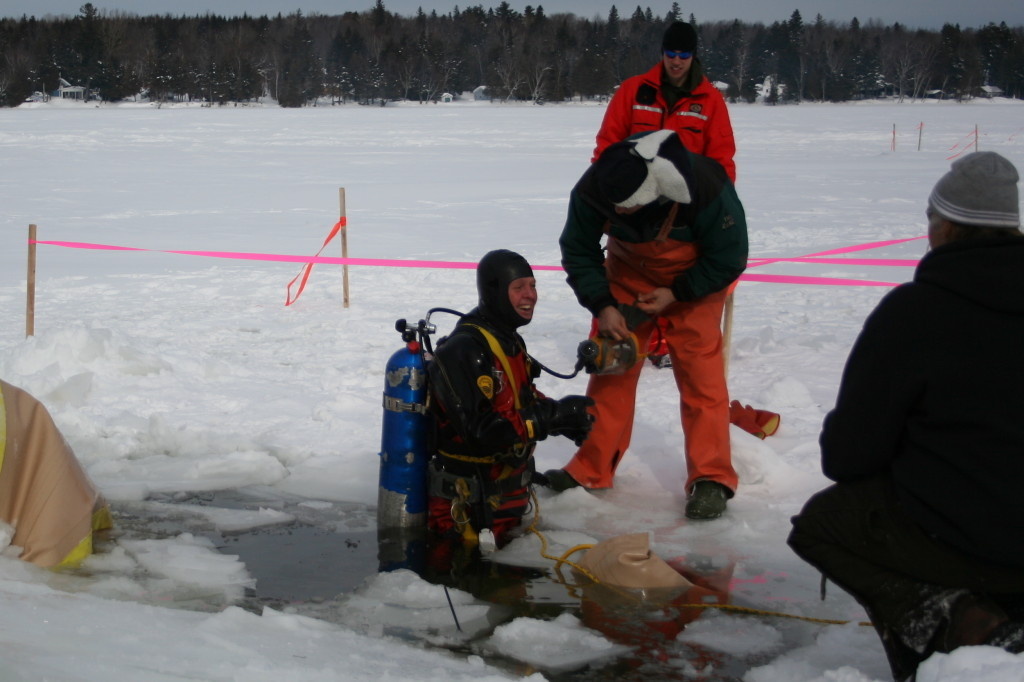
473,399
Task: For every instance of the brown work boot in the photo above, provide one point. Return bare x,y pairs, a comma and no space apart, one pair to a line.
1008,636
972,621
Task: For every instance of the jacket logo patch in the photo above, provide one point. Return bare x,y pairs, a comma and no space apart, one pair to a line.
728,222
696,108
486,386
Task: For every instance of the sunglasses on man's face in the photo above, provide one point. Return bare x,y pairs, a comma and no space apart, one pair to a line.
674,54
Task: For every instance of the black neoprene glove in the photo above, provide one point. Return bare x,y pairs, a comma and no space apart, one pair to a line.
539,416
571,418
566,417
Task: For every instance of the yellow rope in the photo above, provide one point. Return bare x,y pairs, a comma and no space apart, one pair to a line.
762,612
544,543
467,458
723,607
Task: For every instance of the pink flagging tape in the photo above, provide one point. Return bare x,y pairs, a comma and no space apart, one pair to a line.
819,257
239,255
845,249
309,261
829,281
971,139
307,269
866,246
905,262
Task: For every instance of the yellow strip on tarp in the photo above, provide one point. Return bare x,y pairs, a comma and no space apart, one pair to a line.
77,555
101,520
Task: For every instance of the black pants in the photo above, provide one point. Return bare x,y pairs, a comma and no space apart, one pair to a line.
858,536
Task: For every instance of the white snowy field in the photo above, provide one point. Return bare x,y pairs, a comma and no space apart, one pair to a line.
172,373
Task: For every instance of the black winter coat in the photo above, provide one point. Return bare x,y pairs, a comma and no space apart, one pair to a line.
933,394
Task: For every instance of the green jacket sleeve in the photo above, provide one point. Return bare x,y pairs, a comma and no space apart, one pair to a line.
582,256
720,231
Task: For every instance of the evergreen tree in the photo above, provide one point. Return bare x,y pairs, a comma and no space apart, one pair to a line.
88,44
375,55
951,69
299,83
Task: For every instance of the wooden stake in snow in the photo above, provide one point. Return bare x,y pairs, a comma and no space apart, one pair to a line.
344,243
727,331
30,301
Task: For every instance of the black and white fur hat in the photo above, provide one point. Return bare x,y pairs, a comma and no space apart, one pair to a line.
639,171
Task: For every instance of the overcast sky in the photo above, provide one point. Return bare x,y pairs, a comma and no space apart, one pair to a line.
912,13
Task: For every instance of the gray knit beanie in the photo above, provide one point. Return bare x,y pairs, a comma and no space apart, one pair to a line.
980,190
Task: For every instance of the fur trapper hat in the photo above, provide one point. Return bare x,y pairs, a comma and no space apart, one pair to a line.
639,171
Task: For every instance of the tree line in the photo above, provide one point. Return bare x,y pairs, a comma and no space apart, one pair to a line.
376,56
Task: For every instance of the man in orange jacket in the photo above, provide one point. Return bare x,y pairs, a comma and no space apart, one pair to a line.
674,95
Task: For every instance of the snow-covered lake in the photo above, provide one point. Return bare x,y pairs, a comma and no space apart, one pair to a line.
172,374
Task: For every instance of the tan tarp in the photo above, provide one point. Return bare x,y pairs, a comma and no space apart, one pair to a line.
45,495
627,561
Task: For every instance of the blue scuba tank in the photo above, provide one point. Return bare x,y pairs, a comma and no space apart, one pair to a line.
402,493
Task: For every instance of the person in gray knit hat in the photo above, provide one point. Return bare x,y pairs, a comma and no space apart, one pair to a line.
926,442
980,190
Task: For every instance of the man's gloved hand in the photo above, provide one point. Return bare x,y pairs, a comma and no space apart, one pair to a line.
571,419
566,417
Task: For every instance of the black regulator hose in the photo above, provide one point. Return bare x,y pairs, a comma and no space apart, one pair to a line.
424,329
579,366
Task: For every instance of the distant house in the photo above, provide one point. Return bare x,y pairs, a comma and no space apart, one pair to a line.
447,97
991,91
69,91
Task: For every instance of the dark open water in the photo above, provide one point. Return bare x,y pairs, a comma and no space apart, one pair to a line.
309,566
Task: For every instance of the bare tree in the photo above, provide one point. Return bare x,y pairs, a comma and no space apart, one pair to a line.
510,74
535,82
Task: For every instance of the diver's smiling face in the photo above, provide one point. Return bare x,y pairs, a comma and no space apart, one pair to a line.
522,293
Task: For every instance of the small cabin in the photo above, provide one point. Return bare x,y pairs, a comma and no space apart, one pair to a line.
68,91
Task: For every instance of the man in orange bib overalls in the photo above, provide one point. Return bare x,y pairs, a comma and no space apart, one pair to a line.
677,238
